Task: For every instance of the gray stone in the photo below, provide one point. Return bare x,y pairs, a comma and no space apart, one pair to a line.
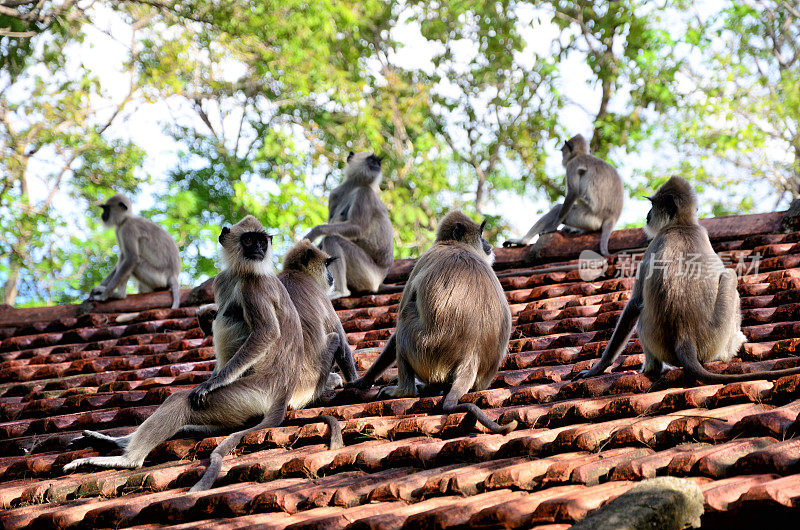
664,503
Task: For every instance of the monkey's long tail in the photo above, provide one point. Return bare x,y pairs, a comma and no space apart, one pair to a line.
226,446
687,354
478,415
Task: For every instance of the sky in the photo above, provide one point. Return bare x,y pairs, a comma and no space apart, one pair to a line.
106,49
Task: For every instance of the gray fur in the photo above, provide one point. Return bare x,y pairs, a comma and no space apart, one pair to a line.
146,252
593,201
358,231
258,345
686,302
453,324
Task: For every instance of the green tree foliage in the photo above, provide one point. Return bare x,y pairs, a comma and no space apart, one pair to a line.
737,121
266,99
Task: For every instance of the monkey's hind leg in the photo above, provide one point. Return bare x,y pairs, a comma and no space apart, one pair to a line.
464,379
161,426
547,223
727,318
406,382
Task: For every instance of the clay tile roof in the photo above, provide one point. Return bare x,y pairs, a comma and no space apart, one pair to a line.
107,367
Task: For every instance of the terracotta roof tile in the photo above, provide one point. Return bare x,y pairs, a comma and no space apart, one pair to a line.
405,464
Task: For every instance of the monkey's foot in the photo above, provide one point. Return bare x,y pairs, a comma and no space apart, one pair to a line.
395,391
115,462
584,374
572,230
97,439
333,295
513,243
334,381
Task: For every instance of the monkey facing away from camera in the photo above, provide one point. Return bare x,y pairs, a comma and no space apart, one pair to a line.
258,345
453,323
146,252
593,200
685,300
358,232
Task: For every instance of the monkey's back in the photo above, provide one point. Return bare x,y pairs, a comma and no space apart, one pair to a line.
156,246
377,240
317,319
455,309
681,280
600,184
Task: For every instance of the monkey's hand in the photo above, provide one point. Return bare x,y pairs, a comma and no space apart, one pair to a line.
198,397
394,391
314,233
513,243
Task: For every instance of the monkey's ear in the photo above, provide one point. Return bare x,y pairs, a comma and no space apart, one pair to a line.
458,231
350,155
568,143
308,255
122,205
670,206
224,233
330,260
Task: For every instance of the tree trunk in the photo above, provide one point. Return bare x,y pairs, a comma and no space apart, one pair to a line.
10,286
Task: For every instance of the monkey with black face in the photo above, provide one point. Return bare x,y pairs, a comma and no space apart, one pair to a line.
358,232
593,200
453,323
258,345
307,280
685,300
146,252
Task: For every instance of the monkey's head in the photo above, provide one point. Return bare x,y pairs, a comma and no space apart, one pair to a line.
364,168
115,209
308,258
456,227
577,145
247,247
673,204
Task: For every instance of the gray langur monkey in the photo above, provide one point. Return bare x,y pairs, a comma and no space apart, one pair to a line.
358,232
307,279
685,300
593,200
146,252
258,345
453,323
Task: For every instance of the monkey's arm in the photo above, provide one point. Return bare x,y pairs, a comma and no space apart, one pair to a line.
265,332
129,257
622,332
357,220
384,361
344,357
